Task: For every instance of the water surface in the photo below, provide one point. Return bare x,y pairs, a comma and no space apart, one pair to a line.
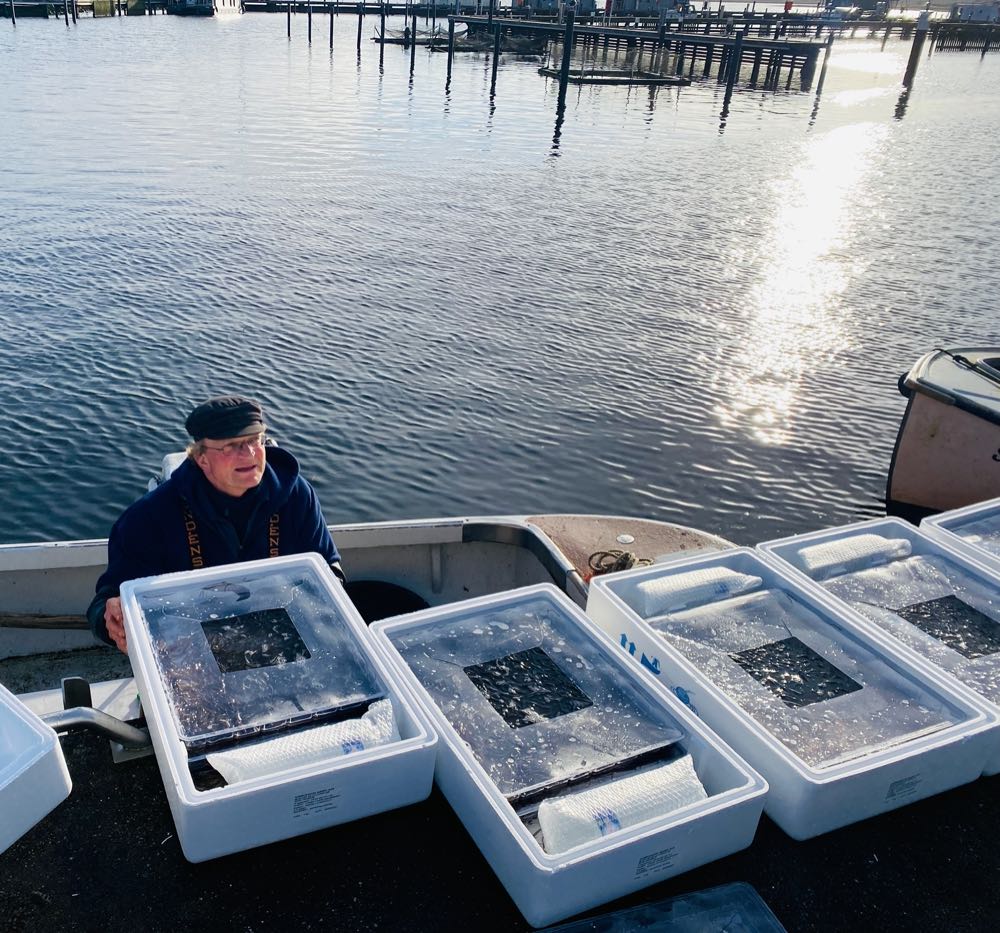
457,304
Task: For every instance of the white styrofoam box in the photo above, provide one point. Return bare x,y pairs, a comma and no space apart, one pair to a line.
891,733
891,587
33,775
974,530
322,656
484,762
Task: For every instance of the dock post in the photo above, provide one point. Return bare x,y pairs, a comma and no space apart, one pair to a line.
885,38
309,21
65,11
757,56
331,27
496,57
916,48
413,42
361,17
288,11
826,58
381,45
74,11
489,18
986,42
736,59
451,45
570,9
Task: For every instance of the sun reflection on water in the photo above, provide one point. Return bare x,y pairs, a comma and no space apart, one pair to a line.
805,262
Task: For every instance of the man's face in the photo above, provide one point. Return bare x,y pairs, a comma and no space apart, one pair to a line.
235,464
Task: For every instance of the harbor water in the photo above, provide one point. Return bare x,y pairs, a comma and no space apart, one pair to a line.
456,303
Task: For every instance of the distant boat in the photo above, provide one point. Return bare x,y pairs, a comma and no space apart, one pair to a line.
947,452
191,7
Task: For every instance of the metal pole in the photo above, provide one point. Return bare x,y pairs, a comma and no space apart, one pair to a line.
65,11
489,17
13,15
309,21
288,10
381,45
331,27
915,50
496,56
74,11
361,16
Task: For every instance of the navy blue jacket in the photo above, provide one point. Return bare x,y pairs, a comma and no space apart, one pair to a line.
150,536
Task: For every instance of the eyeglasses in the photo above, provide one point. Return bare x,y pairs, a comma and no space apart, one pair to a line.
236,447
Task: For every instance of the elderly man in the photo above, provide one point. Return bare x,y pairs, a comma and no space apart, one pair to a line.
232,499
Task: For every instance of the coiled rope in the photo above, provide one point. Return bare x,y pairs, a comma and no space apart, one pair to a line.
612,561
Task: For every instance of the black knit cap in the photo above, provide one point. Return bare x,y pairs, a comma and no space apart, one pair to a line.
225,416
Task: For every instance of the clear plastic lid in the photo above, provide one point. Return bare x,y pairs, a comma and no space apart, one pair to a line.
943,612
251,650
981,529
535,697
815,686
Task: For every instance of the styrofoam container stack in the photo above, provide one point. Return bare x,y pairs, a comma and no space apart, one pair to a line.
841,723
924,591
577,775
34,779
974,530
271,711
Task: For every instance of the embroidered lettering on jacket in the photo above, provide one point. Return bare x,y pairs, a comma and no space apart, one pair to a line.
272,535
194,542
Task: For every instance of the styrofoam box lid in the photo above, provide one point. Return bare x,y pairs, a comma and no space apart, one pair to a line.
805,671
24,741
977,525
247,647
931,595
528,689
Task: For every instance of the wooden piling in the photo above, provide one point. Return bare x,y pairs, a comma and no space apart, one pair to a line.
496,57
73,11
734,65
413,43
65,11
918,43
451,46
567,53
381,45
288,13
361,17
331,25
309,21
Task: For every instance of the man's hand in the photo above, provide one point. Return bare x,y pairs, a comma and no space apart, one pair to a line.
115,622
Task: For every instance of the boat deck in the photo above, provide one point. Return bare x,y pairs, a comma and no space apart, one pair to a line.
108,858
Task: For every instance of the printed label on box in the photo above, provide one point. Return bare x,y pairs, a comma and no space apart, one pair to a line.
656,862
314,802
904,787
